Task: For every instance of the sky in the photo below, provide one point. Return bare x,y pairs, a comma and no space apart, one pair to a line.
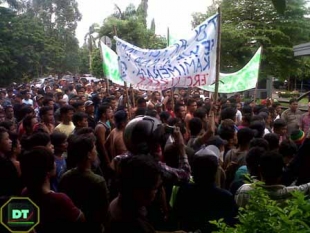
175,14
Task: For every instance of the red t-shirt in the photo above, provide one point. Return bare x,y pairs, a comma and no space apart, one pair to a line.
55,208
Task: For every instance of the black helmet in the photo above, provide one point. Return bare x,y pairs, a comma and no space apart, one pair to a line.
142,134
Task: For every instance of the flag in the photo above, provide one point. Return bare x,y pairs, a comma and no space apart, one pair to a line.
187,63
110,64
242,80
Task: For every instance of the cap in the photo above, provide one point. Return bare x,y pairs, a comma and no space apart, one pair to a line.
298,136
216,141
39,97
209,151
88,103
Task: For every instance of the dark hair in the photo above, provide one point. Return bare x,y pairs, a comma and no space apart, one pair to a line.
273,140
247,110
27,122
279,123
164,116
259,127
200,113
177,107
140,112
141,100
46,100
57,139
7,124
77,104
103,110
227,129
138,172
35,164
271,166
78,148
204,168
195,126
245,135
78,116
288,148
36,139
259,142
44,110
253,159
151,113
65,109
228,113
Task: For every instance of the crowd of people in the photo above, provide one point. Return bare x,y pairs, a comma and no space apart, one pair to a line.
98,159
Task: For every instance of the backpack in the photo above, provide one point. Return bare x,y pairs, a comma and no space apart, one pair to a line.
231,169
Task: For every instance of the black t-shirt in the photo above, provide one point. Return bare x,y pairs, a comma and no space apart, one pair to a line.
10,183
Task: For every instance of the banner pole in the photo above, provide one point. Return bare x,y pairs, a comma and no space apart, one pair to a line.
256,87
218,55
172,88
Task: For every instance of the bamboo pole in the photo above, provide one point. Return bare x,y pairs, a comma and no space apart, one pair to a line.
255,90
172,88
218,55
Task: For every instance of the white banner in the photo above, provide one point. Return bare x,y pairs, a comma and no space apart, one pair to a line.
187,63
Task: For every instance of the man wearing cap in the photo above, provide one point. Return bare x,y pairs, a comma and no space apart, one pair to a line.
90,110
305,121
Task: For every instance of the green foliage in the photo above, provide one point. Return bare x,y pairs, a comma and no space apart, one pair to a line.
96,64
248,24
263,214
84,60
38,38
130,26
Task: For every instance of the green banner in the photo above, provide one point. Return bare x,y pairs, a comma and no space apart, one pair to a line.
242,80
110,65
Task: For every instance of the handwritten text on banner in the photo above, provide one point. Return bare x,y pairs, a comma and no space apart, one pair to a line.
187,63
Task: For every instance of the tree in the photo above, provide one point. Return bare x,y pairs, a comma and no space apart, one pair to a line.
248,24
130,26
96,64
153,26
84,60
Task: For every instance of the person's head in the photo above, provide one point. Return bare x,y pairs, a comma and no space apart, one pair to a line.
155,96
164,116
271,167
9,112
28,123
195,126
141,102
37,167
89,107
111,101
298,136
246,120
9,125
81,150
5,141
143,135
120,119
277,107
191,105
179,111
66,113
48,102
259,142
228,131
105,112
258,127
140,112
47,114
79,106
280,127
139,180
38,139
202,114
273,141
16,146
205,165
59,141
169,104
228,113
218,142
293,104
253,160
288,149
245,135
79,119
